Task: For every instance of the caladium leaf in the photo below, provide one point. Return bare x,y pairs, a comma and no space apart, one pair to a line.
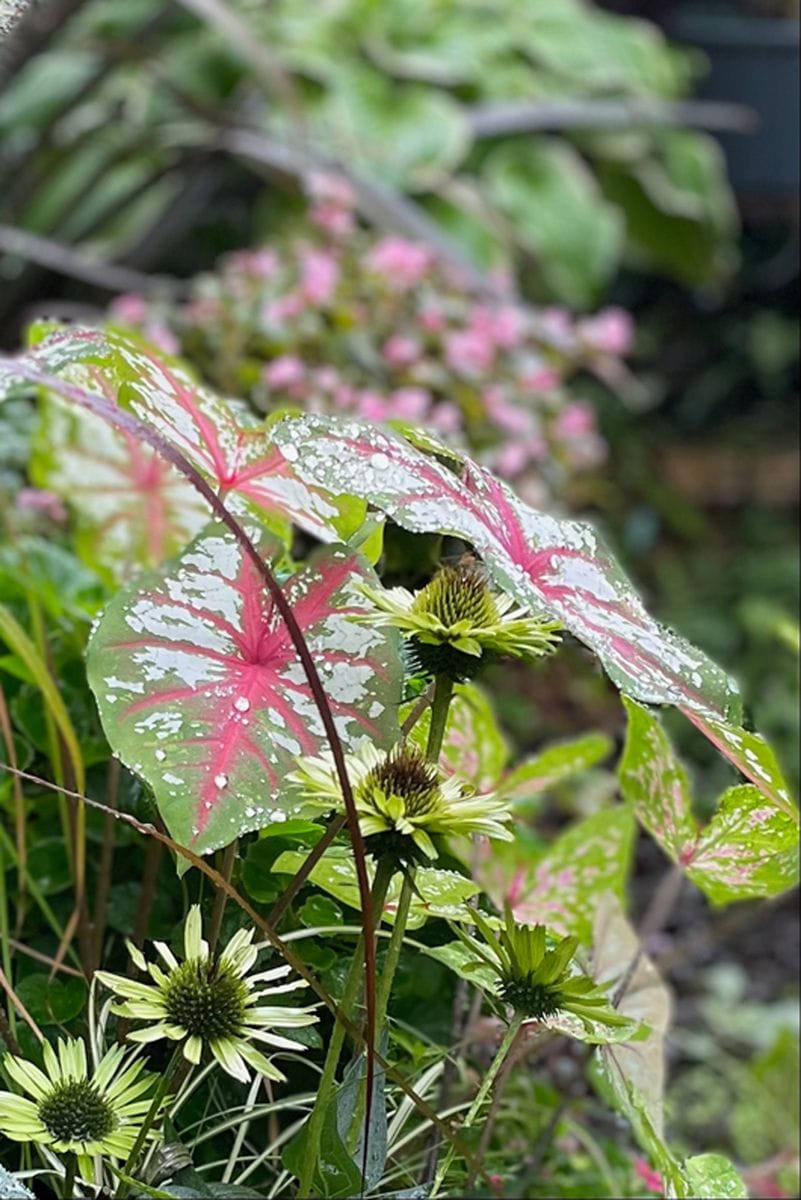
200,691
560,887
556,762
133,508
751,754
223,442
474,747
545,563
645,998
748,849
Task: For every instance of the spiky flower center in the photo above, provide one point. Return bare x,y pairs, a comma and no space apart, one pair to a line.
75,1111
458,594
404,773
534,1000
206,1000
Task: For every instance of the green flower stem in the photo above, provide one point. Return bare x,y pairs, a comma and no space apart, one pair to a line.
481,1095
443,691
383,876
70,1165
152,1113
383,993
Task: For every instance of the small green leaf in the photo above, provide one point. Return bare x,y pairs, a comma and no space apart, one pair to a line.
52,1001
555,763
712,1177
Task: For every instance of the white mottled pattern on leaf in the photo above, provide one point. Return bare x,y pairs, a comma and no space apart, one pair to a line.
559,888
749,848
546,563
134,509
751,754
222,441
201,692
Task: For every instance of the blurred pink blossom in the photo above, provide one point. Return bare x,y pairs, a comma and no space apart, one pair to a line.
284,371
402,263
130,308
319,276
400,350
372,406
283,308
469,351
410,403
446,417
608,332
651,1178
539,379
575,420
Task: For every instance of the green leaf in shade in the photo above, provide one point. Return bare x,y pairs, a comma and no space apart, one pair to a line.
201,693
748,849
474,747
337,1174
52,1001
442,893
556,762
751,754
559,214
560,887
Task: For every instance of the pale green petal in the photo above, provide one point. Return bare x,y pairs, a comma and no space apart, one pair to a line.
51,1062
421,839
229,1058
193,1048
27,1075
257,1060
136,954
166,953
274,1039
151,1033
108,1067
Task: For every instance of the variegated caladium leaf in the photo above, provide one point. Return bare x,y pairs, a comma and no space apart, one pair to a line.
546,563
225,443
201,693
560,886
473,747
748,849
133,509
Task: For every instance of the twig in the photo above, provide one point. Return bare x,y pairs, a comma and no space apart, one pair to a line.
502,118
74,263
658,911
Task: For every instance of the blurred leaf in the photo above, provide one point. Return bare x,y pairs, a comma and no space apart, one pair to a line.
474,747
52,1001
560,888
553,764
560,215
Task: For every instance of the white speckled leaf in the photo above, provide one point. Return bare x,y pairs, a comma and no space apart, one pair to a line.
226,445
748,849
201,692
546,563
712,1177
560,887
751,754
442,893
133,508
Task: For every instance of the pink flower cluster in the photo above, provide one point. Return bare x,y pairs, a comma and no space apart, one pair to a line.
345,321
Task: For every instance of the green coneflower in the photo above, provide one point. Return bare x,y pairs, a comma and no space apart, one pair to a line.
402,800
538,982
213,1003
456,620
73,1111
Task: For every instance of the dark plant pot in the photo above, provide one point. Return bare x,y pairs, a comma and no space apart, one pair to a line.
753,61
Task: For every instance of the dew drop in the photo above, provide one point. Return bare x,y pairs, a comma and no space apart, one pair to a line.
159,755
221,781
379,461
277,816
290,453
241,704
